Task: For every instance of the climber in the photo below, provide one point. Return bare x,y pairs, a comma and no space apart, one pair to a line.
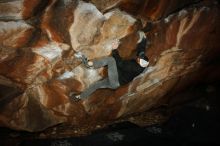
120,72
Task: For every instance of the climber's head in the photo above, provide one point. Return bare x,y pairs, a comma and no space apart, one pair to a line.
142,60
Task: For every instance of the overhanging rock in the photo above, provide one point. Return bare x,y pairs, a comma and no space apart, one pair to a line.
37,57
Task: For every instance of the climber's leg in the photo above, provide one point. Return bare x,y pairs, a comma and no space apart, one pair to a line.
112,70
110,82
92,88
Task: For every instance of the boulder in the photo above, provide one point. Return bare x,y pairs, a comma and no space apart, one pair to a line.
183,50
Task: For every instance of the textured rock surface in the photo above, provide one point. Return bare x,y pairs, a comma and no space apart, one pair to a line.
37,57
13,35
19,9
146,9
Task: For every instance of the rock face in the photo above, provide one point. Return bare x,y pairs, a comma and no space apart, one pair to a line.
39,39
19,9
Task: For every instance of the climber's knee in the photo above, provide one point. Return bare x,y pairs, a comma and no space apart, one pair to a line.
110,59
115,85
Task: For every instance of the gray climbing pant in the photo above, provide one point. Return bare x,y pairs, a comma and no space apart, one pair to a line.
110,82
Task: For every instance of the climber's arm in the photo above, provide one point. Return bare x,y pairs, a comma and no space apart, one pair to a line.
141,47
143,43
116,55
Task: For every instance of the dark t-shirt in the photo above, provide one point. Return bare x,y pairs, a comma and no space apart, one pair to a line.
128,69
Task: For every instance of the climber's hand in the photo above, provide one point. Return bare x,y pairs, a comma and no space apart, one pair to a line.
141,36
115,44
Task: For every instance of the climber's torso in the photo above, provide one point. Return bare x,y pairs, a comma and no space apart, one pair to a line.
127,69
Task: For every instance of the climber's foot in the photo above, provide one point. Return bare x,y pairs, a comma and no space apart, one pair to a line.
90,64
75,97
